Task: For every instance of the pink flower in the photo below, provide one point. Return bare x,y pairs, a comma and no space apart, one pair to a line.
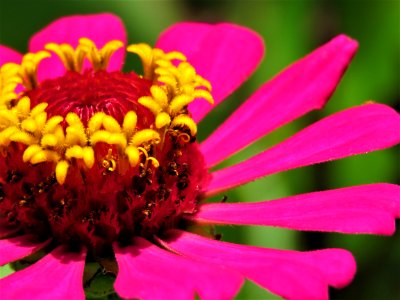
98,163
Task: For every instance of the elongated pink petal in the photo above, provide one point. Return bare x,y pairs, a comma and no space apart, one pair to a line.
56,276
353,131
304,86
291,274
361,209
19,247
225,54
8,55
149,272
101,28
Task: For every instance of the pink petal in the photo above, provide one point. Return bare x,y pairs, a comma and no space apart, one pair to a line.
225,54
56,276
353,131
8,55
304,86
100,28
149,272
361,209
291,274
19,247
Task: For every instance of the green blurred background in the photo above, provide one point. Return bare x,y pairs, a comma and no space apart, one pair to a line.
291,29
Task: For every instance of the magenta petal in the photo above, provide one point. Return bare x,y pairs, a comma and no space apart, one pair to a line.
8,55
56,276
353,131
360,209
291,274
304,86
100,28
19,247
225,54
149,272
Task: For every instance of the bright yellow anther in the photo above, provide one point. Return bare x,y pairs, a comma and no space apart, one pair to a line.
74,152
129,124
76,132
107,51
49,140
179,102
100,136
133,155
38,109
29,125
7,117
98,58
169,81
67,55
76,135
149,103
163,119
95,122
145,52
118,139
30,152
175,55
52,123
22,137
23,106
159,95
73,120
88,157
5,135
29,66
145,136
111,125
45,156
61,171
40,120
206,95
185,121
201,82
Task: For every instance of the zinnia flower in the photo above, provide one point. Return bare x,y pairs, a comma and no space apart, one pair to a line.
102,167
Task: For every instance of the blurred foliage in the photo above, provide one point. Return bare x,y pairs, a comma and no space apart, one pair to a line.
291,29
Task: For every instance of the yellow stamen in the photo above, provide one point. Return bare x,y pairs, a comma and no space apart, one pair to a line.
129,124
61,171
133,155
73,59
145,136
185,121
29,67
174,87
163,119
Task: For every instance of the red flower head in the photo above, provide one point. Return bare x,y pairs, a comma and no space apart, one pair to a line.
103,166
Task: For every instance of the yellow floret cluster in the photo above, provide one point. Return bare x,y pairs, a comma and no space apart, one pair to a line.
63,140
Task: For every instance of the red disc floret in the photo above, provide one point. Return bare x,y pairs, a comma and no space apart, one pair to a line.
113,93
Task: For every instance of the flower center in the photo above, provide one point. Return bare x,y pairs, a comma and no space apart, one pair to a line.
114,93
96,157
